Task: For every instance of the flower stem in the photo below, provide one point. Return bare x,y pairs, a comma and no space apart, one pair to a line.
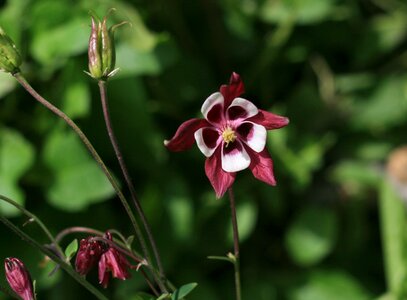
67,267
137,204
88,145
236,260
38,221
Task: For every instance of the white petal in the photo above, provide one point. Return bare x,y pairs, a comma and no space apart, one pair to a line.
236,160
210,102
249,108
257,137
205,149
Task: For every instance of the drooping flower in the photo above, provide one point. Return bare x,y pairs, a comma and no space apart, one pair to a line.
88,255
19,278
112,261
232,136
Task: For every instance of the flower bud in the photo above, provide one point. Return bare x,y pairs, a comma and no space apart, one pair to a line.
101,50
18,278
10,59
88,255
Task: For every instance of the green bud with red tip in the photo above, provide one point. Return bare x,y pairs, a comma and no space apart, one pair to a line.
101,51
10,59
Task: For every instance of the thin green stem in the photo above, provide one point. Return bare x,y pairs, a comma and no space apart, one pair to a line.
126,175
67,267
88,145
236,260
38,221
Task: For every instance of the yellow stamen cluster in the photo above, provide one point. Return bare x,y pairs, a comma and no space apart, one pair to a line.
228,135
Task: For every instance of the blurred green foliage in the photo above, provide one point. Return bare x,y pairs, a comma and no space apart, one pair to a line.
336,68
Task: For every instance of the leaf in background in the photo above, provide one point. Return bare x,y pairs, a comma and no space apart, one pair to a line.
312,236
78,180
247,218
332,285
16,157
302,163
7,84
181,214
183,291
9,14
300,11
60,42
76,99
386,106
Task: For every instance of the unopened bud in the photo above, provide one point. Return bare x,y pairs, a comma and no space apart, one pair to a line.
18,278
101,51
10,59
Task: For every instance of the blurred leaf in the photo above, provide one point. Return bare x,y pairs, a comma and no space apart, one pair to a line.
300,11
54,45
16,157
71,249
9,14
246,218
78,180
303,162
394,238
332,285
133,61
386,106
181,213
76,100
356,176
312,235
183,291
7,84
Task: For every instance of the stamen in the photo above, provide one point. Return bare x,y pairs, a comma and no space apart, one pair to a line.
228,135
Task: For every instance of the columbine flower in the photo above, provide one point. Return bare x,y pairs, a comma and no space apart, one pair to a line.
88,255
232,136
18,278
112,261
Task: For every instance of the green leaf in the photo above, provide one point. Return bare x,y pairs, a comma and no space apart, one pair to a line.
78,180
385,107
312,235
129,241
76,100
181,213
300,11
71,249
393,228
332,285
7,84
16,157
143,296
58,43
224,258
183,291
164,296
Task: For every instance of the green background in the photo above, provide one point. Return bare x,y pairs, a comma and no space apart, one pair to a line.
336,68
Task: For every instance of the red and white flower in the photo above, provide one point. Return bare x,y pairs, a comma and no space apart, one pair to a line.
232,136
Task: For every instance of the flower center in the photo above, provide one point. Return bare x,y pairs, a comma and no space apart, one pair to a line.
228,135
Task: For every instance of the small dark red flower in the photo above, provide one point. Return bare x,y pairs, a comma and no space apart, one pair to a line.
88,255
112,261
19,278
232,136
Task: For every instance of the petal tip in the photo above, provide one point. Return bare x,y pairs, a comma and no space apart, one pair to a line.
166,142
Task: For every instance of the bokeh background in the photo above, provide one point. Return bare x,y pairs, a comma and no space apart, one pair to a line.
336,68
